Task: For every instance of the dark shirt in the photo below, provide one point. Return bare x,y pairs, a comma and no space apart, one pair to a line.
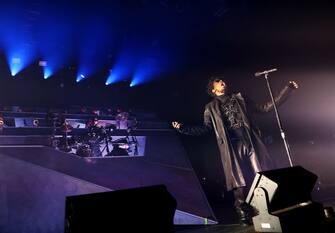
232,117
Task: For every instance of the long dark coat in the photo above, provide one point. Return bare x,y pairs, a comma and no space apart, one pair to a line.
213,120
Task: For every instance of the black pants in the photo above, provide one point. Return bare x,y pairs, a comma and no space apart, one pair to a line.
243,210
239,196
246,157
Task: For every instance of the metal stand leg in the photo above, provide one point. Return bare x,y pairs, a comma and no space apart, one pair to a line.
282,132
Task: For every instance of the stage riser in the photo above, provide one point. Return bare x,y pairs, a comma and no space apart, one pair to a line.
26,140
32,198
34,178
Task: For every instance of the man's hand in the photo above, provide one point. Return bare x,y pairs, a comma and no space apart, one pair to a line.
176,125
293,85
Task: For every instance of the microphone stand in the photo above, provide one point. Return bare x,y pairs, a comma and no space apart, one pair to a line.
282,132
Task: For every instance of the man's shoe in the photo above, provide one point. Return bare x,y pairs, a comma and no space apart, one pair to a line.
244,218
245,222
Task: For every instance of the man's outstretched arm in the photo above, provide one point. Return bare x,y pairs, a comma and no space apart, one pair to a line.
279,99
195,130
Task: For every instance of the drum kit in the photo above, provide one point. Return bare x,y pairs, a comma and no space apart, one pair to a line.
95,142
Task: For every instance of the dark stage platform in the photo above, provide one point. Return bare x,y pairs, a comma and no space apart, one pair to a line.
220,228
36,179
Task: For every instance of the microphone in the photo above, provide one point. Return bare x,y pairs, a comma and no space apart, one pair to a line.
257,74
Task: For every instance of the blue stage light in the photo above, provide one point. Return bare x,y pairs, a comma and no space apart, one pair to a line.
18,59
118,74
80,77
133,83
147,70
15,66
47,72
123,67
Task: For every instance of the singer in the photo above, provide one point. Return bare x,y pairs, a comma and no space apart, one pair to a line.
242,151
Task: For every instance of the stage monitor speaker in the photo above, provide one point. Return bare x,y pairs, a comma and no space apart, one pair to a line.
284,202
147,209
285,187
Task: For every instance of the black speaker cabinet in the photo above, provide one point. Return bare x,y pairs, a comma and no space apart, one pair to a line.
147,209
283,200
285,186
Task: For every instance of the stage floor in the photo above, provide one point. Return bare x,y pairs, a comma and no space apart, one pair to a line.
220,228
227,218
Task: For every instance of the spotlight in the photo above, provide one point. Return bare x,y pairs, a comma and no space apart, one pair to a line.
80,77
15,66
47,73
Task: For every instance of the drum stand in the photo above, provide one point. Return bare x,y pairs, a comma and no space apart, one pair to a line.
106,147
